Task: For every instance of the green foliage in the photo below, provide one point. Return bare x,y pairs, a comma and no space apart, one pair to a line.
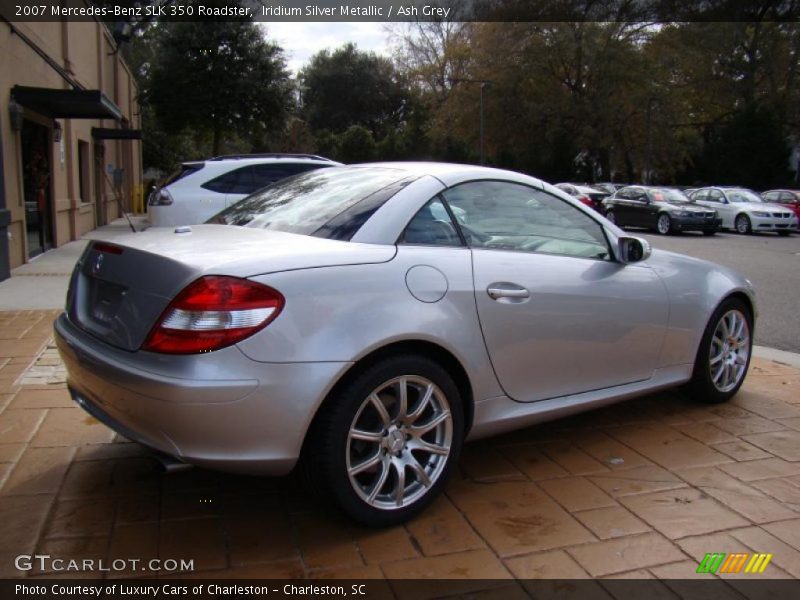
221,78
750,149
348,87
356,145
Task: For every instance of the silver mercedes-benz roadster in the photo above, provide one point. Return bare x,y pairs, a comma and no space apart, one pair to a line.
371,318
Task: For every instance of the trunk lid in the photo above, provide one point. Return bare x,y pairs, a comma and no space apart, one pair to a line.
118,290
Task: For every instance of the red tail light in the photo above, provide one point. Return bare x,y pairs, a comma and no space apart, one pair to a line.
213,312
586,200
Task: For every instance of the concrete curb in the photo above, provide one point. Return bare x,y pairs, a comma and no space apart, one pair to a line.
781,356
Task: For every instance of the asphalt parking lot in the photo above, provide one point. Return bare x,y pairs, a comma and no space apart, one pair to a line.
771,262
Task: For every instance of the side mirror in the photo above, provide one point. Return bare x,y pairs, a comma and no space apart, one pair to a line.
633,249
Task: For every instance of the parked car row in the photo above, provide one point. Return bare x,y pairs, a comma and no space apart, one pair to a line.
707,209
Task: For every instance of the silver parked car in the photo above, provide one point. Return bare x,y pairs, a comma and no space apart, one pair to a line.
371,318
745,211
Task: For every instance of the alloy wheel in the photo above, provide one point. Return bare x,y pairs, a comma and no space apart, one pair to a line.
399,442
742,224
663,224
730,350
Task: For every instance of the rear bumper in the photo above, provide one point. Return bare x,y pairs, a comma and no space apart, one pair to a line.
252,420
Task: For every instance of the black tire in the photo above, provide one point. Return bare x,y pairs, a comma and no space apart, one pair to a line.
702,387
709,232
743,225
328,451
661,220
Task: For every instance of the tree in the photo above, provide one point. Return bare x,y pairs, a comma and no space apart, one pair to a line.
219,77
348,87
356,145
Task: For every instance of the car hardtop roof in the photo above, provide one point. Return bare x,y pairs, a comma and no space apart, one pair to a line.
452,173
270,155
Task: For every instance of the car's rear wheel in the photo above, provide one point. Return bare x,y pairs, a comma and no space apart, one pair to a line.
743,224
724,354
389,439
664,224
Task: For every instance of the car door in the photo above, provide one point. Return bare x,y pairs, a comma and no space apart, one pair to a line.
559,316
725,209
639,208
622,207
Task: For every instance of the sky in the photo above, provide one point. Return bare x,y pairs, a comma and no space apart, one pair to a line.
301,41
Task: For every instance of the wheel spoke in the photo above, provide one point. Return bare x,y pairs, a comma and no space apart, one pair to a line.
367,436
402,399
423,404
377,403
399,493
424,446
380,482
419,471
363,466
724,325
435,422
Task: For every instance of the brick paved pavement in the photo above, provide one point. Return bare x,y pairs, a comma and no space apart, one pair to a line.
642,489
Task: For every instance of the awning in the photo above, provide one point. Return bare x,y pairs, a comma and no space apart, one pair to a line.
100,133
67,104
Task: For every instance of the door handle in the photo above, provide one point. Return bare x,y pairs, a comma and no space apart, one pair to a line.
496,292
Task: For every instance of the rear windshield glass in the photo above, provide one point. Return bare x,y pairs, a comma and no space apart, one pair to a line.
186,169
305,203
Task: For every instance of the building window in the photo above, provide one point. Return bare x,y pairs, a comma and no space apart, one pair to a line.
83,170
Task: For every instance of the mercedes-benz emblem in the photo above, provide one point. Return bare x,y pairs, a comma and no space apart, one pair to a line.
97,264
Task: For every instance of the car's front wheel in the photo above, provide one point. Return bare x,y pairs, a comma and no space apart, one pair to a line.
388,439
724,354
664,224
743,225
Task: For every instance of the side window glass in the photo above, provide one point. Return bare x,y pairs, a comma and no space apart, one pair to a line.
715,196
431,226
509,216
771,197
700,195
238,181
263,175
